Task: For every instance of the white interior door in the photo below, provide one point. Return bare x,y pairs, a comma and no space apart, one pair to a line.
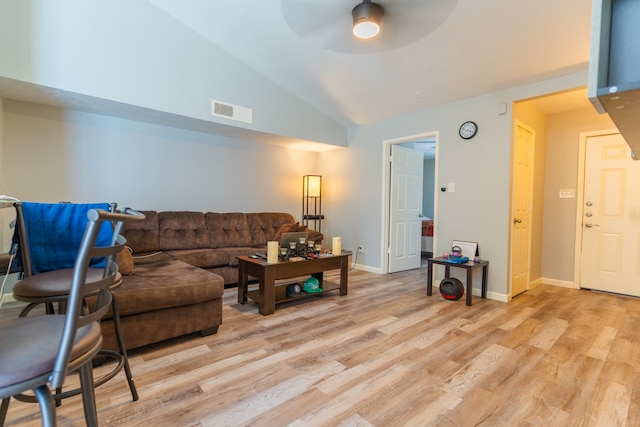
524,148
610,217
405,208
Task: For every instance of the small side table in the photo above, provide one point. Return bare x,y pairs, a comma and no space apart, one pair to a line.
469,266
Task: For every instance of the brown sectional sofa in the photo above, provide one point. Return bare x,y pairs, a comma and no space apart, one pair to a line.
182,262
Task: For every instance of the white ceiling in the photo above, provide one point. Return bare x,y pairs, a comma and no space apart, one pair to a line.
430,52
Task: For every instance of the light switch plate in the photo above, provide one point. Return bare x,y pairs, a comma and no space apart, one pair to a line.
567,193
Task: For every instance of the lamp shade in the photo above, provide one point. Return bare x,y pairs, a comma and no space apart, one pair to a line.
312,201
312,185
366,19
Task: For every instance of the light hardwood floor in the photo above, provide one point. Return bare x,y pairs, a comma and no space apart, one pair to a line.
388,355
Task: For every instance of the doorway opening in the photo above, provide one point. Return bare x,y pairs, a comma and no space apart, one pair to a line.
426,144
557,118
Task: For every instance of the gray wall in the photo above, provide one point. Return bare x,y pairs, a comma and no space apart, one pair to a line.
479,210
52,154
106,58
5,215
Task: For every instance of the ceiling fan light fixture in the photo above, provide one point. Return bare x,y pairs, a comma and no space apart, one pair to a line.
366,19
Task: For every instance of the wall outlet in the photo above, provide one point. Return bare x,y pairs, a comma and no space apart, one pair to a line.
360,249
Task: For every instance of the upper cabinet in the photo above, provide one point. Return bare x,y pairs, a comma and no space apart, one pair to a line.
614,66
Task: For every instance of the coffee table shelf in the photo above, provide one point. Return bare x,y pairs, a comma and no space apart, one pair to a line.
281,291
269,294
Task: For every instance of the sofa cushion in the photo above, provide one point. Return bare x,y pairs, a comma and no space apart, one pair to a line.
228,229
143,236
234,253
150,257
166,284
182,230
203,258
264,225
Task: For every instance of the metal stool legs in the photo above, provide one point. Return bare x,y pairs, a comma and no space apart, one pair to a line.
88,395
121,346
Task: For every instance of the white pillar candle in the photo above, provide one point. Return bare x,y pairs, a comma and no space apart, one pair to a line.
336,246
272,251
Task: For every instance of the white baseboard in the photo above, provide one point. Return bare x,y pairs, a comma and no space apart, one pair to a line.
535,283
561,283
368,269
492,295
436,283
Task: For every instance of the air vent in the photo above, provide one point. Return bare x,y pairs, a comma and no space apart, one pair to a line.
223,109
230,111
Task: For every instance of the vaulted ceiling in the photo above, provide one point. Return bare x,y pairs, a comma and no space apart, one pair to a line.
429,52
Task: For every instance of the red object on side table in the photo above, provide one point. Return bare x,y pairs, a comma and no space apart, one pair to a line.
468,266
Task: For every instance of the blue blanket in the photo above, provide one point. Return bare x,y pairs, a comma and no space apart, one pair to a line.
459,260
55,230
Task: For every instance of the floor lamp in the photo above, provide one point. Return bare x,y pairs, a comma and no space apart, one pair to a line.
312,202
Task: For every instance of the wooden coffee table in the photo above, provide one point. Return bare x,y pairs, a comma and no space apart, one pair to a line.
269,294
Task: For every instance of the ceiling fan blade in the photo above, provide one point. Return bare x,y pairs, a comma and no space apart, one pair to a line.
307,18
417,17
328,23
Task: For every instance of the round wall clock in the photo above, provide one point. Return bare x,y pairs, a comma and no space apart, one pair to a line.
468,130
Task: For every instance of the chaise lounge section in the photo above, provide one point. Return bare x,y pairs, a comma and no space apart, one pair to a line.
180,263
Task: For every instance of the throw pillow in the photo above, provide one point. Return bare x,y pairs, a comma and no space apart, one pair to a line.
288,228
125,261
314,235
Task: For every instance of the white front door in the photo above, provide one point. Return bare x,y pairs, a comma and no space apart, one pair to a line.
524,148
405,208
610,217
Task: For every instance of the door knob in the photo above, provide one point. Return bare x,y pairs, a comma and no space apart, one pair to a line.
589,204
589,225
517,220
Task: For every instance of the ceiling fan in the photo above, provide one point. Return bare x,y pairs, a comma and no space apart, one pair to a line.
328,23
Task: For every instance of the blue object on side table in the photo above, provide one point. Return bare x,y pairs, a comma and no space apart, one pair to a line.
458,260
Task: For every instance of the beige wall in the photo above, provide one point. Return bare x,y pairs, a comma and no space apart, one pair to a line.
561,172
